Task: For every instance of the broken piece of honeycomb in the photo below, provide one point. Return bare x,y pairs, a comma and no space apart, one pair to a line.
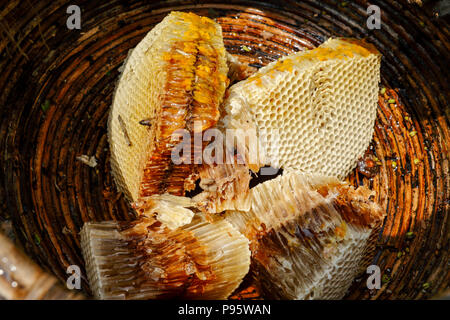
225,187
313,111
172,211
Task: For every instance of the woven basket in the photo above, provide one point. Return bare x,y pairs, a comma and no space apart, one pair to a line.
57,84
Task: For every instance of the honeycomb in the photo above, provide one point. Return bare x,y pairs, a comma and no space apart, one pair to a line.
308,235
313,111
174,77
172,211
145,260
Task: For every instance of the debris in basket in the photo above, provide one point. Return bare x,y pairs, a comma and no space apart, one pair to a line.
213,13
90,161
37,239
66,231
6,228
